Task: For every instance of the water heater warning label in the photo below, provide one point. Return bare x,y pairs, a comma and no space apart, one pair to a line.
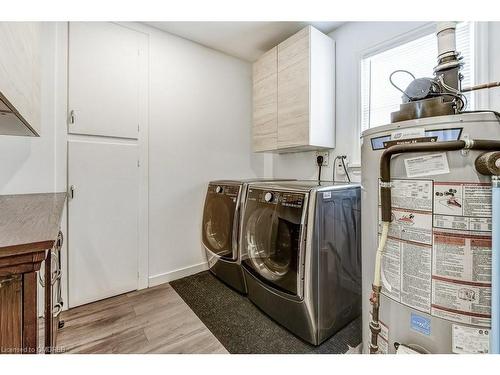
461,259
406,262
427,165
438,254
470,340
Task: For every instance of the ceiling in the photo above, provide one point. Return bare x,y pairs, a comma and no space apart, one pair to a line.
245,40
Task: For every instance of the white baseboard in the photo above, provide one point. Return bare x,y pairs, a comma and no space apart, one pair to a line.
177,274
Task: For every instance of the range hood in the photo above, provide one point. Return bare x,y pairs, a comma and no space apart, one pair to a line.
20,78
12,123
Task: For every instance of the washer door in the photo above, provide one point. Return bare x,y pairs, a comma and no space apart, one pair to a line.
271,238
218,222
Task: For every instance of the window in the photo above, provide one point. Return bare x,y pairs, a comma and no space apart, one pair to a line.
379,98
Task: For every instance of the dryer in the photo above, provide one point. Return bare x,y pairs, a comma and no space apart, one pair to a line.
301,254
220,229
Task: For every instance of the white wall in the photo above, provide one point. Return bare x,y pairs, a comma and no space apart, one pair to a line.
351,40
38,164
200,130
28,163
200,114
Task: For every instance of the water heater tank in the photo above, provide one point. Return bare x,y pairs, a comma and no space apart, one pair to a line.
436,267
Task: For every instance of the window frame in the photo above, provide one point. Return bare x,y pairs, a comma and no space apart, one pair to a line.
480,61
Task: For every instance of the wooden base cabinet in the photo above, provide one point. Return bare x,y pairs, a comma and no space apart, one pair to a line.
11,322
294,94
18,303
28,236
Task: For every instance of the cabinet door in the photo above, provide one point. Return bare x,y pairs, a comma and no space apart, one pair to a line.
102,220
104,79
293,91
266,65
11,317
265,102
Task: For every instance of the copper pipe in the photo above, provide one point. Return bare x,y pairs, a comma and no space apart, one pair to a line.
375,323
481,86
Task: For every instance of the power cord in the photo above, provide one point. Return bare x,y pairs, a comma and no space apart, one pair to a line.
342,159
319,161
345,168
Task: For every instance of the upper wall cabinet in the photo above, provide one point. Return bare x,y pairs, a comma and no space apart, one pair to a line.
107,79
265,102
20,76
294,94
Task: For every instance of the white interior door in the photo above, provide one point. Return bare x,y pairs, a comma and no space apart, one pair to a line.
102,219
104,76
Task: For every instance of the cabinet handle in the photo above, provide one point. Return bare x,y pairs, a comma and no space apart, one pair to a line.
55,277
72,116
72,191
60,240
59,309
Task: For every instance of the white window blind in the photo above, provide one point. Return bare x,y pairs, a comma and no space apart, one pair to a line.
379,98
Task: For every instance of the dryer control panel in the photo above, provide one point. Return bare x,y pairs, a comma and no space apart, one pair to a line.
276,197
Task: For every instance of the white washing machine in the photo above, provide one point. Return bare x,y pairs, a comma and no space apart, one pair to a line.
301,254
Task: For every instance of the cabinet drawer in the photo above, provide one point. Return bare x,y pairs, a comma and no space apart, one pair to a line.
266,65
265,113
293,105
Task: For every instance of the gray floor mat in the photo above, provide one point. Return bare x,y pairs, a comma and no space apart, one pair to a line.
242,328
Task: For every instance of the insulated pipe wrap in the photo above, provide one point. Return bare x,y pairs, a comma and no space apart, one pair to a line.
488,163
385,196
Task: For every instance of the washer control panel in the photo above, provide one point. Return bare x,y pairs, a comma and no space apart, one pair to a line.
228,190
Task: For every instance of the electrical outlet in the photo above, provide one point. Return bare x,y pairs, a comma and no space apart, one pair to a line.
340,167
325,155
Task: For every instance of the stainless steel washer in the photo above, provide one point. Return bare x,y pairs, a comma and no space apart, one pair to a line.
301,254
220,229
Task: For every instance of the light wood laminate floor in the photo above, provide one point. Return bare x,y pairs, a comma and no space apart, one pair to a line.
154,320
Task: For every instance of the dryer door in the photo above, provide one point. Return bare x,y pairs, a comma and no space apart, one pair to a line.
272,231
220,220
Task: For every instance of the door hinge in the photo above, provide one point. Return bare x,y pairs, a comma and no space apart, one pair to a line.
138,163
72,191
138,129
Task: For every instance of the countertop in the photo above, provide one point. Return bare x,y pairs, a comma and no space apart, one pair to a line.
29,222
